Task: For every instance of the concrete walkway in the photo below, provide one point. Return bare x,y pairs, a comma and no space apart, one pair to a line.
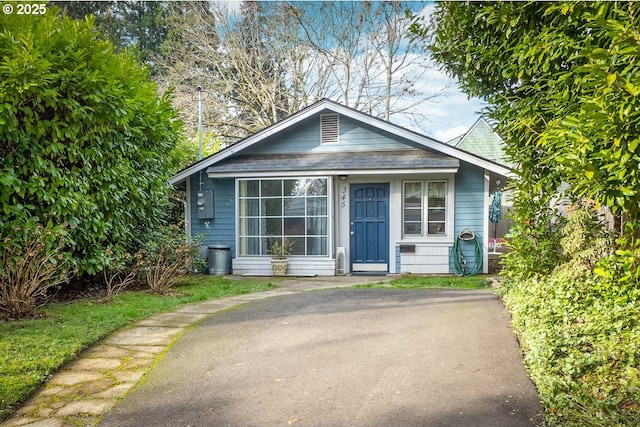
85,390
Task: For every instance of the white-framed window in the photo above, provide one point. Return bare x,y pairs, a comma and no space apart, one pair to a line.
271,209
424,208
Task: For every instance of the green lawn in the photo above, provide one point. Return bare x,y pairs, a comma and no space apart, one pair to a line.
435,282
32,350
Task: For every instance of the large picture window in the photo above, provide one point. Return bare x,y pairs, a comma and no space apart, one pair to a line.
424,208
272,209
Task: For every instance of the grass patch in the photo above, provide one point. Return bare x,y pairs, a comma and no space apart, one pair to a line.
32,350
434,282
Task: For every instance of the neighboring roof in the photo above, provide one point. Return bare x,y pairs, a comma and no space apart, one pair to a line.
455,140
322,106
383,160
482,141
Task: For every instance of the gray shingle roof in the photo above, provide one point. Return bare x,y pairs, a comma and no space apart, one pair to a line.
362,160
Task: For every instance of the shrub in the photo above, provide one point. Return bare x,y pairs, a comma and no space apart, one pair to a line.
619,271
34,259
85,137
121,271
166,255
581,342
581,348
534,242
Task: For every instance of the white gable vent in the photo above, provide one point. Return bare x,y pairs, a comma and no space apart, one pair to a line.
329,129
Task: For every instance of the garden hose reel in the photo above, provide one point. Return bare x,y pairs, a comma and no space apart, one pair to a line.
459,263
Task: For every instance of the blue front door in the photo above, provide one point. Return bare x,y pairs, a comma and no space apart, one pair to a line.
370,227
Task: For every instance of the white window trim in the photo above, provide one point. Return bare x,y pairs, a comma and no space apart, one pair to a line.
447,237
330,224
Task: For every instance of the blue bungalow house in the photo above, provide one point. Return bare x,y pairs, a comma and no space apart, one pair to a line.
351,192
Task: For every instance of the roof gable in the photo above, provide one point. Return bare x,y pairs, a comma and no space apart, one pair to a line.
482,141
352,136
304,121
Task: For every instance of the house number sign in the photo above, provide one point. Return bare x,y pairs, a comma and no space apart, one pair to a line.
343,196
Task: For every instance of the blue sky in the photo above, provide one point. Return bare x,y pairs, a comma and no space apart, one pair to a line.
453,113
450,115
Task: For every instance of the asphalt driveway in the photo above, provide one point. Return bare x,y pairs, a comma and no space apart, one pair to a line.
346,357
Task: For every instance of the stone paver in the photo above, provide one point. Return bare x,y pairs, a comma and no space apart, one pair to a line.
116,392
86,389
72,377
173,319
144,335
97,364
48,422
92,407
128,376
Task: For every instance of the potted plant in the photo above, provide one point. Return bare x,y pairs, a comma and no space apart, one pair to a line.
279,249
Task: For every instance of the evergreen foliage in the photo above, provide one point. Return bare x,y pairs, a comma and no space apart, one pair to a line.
126,24
85,138
563,85
562,82
580,334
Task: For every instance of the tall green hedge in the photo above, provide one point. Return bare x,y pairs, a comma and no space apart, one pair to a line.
85,139
562,83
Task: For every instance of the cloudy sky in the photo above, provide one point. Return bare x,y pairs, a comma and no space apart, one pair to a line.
453,113
450,116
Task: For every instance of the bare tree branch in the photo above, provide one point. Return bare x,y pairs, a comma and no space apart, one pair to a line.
278,57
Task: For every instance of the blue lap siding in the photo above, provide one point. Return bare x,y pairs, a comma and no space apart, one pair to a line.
354,136
469,202
221,230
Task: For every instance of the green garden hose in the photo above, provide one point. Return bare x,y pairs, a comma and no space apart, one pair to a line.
458,261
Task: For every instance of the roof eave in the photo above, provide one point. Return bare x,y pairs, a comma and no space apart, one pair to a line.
332,172
323,104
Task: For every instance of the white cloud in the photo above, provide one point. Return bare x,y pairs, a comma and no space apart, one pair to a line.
447,116
446,135
232,6
454,113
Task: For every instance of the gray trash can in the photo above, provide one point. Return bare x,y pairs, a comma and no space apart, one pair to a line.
219,259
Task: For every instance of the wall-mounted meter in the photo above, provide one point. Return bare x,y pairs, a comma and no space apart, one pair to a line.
205,204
